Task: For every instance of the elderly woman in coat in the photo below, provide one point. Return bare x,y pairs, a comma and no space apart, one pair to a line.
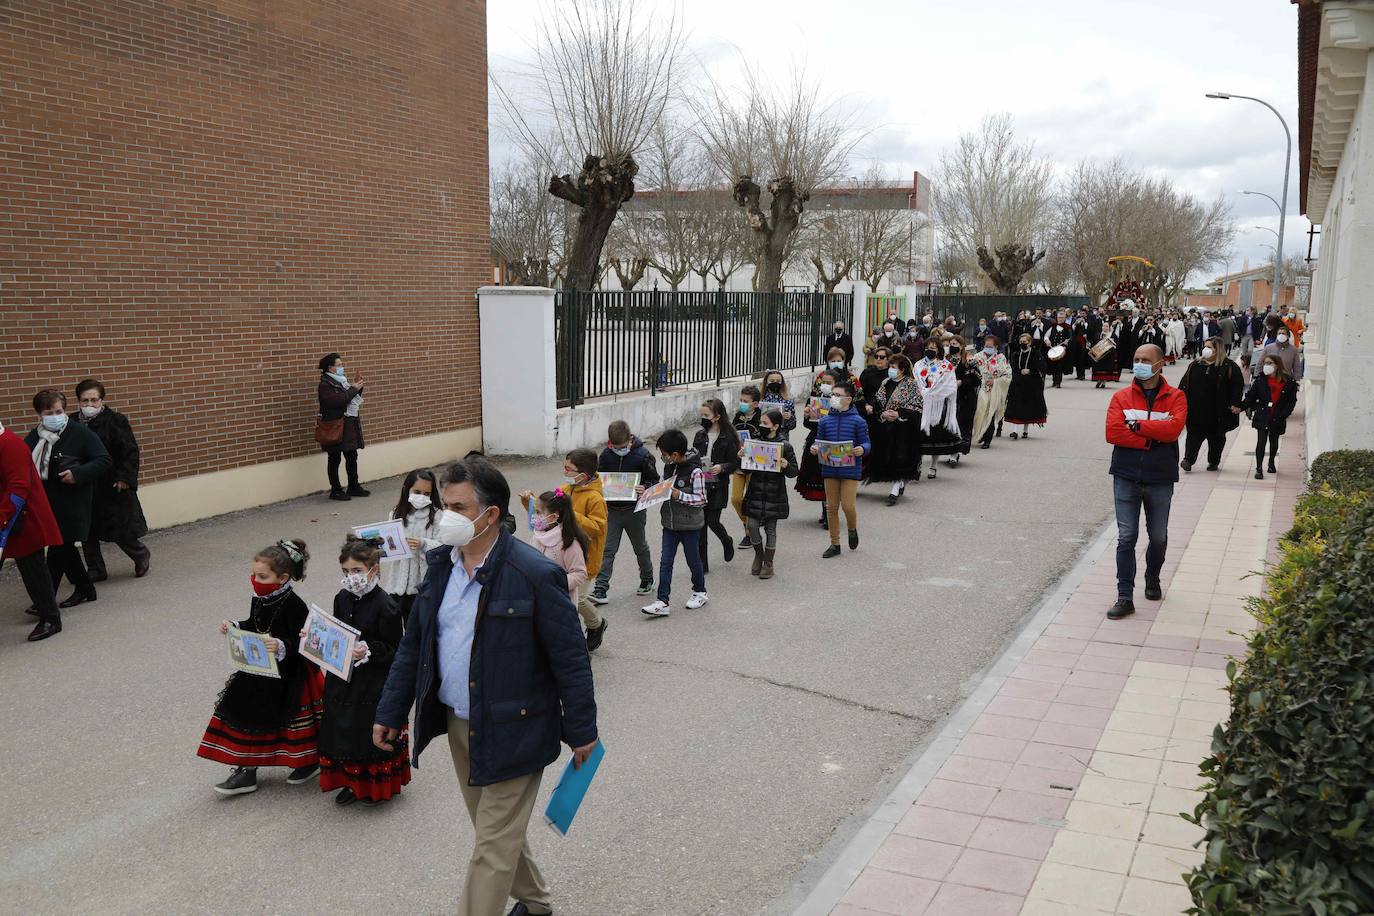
116,514
339,431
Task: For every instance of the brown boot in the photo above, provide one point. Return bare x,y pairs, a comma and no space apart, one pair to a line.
768,555
758,560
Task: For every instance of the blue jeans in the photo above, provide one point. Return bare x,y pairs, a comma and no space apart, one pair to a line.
691,548
1131,497
619,522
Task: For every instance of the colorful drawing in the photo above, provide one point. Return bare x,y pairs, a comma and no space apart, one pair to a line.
393,536
329,642
660,492
248,652
821,404
619,486
762,456
835,454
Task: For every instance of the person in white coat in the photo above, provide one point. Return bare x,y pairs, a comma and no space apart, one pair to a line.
418,509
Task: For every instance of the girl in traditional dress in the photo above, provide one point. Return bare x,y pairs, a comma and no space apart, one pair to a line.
349,761
262,721
994,370
418,509
939,411
1105,369
1026,395
809,483
895,430
970,380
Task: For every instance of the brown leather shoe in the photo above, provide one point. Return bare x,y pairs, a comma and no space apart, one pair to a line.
44,629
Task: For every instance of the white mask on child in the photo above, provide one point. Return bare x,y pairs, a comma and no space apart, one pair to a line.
357,583
418,501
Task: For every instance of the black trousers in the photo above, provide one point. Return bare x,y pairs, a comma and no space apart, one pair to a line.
133,548
350,459
987,436
1266,436
1216,442
65,560
714,525
33,569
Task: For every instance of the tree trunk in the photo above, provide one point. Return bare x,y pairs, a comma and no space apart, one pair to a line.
629,272
771,229
1013,261
599,190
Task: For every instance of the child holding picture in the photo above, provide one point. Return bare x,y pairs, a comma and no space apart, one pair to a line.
418,509
683,517
557,537
765,497
625,454
349,761
262,721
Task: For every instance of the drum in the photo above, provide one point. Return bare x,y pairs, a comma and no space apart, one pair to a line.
1100,349
1057,353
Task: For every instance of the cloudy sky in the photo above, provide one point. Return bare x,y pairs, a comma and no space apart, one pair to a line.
1083,78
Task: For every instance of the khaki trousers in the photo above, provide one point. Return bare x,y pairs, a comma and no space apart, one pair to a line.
591,617
739,482
839,494
501,866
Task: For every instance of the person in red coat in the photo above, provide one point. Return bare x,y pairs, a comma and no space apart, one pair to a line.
27,527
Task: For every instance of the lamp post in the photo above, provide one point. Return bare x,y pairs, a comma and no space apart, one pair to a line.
1287,162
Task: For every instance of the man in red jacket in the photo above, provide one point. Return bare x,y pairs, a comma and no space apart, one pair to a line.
26,527
1144,422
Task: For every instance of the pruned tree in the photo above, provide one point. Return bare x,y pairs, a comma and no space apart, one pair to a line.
602,78
676,171
775,146
629,246
993,197
885,233
1056,273
526,224
952,269
830,239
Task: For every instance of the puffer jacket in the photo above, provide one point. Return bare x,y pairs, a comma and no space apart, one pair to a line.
843,426
590,508
766,495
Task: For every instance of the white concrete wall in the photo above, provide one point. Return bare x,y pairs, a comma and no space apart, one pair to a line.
518,386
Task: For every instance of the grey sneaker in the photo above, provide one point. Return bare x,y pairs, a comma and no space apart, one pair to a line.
241,781
646,587
598,598
303,774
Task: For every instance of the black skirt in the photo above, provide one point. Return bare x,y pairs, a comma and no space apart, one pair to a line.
895,450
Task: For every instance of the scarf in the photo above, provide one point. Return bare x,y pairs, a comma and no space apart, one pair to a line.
940,387
42,452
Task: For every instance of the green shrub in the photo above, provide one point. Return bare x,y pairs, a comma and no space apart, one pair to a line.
1289,812
1344,469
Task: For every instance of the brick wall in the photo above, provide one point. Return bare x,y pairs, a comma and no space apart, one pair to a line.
203,197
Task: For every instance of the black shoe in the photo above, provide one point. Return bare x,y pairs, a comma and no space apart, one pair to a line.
832,551
340,495
77,598
358,491
240,782
853,539
47,628
1272,469
1152,590
521,910
824,522
345,797
97,575
985,445
745,543
141,566
1122,608
594,637
892,499
1211,467
1013,437
1186,465
1259,475
729,547
303,774
31,610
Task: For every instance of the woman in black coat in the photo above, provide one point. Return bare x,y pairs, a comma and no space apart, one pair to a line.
717,443
1271,399
765,497
1215,391
340,401
966,401
116,514
70,459
1026,396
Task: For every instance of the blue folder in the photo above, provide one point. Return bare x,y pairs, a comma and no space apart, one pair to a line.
572,786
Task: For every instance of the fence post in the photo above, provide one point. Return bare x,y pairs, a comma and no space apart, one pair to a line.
572,314
772,310
816,326
656,356
720,333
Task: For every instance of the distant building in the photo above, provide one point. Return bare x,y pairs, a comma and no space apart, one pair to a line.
1239,291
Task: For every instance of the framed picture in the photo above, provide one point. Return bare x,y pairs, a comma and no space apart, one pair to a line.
660,492
835,454
619,486
821,404
248,652
329,642
393,536
743,435
762,456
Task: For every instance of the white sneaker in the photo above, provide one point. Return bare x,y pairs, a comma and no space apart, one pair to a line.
696,601
657,609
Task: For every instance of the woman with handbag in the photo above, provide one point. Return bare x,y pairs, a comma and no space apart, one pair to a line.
338,429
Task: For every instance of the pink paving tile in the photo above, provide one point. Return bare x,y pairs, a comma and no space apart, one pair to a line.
1061,644
1012,838
1170,642
889,892
1208,660
975,769
1121,636
1091,716
1003,726
1028,690
1051,658
1067,735
974,901
1054,756
994,871
1043,673
1021,707
1059,782
957,796
1088,696
1070,631
935,824
1167,656
1110,650
1027,806
918,858
1104,663
1222,646
990,747
844,909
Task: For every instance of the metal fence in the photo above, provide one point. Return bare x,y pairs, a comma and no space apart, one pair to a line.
969,308
613,342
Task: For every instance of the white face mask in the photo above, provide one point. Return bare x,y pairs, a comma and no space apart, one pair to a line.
419,500
1268,368
837,364
455,529
1283,338
357,583
88,410
1207,352
837,402
892,372
826,389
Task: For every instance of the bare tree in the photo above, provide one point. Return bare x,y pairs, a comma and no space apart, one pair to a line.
884,232
779,142
993,196
952,270
526,224
829,237
629,246
602,78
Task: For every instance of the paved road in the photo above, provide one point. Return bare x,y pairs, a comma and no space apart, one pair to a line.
744,740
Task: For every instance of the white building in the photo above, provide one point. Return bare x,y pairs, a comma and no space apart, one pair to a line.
1336,145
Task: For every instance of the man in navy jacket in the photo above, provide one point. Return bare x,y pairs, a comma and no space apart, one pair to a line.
494,656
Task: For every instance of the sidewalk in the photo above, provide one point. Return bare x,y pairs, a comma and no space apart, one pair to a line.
1056,788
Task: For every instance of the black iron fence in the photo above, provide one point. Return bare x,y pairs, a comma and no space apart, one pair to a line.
614,342
969,308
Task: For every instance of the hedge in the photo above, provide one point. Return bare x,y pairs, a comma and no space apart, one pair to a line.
1289,808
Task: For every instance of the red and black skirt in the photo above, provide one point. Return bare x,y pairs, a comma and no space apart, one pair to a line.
809,483
294,743
375,781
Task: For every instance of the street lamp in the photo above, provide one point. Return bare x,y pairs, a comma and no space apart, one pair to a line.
1267,229
1287,162
1270,196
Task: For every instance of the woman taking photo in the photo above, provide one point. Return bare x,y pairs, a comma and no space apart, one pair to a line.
717,443
1272,397
338,430
1215,394
895,430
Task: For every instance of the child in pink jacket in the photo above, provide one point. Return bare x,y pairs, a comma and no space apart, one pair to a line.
557,537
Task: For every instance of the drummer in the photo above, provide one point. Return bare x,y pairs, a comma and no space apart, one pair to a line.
1058,340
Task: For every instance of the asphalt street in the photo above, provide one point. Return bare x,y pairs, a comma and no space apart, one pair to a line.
744,740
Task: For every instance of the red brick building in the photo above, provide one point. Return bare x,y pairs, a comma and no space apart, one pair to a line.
203,197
